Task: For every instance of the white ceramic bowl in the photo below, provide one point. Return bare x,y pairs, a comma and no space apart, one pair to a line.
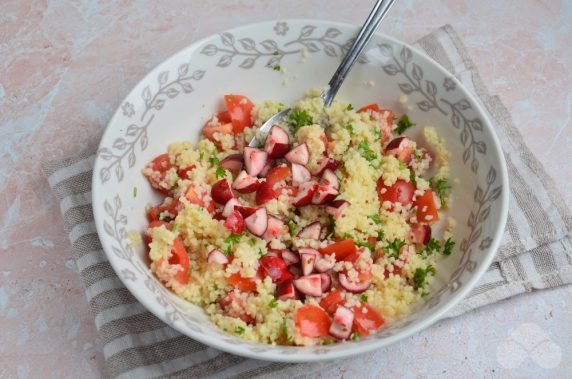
174,100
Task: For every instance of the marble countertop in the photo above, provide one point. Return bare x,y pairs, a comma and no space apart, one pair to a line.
66,66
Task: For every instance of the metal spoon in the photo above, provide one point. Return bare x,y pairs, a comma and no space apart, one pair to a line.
366,32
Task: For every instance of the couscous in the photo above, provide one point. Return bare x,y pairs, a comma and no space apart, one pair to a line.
323,234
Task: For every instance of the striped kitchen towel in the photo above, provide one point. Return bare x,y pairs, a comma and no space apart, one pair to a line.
535,253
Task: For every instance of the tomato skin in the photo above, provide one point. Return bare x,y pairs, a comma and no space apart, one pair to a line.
374,107
183,173
235,222
171,207
426,208
149,231
277,174
239,108
364,323
211,128
160,164
332,300
312,321
181,258
193,196
242,284
224,117
400,192
340,249
233,305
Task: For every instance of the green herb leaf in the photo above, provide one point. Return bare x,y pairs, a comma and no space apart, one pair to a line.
273,303
220,172
252,241
202,155
350,107
299,118
369,245
432,246
363,298
231,240
418,154
239,330
350,129
420,276
276,53
394,248
366,152
327,342
448,248
277,67
403,124
213,159
375,218
412,177
441,188
292,227
347,235
355,337
134,191
380,235
377,133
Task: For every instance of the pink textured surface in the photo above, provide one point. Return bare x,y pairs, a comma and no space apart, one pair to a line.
64,69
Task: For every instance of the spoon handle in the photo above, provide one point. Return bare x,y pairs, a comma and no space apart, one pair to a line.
367,30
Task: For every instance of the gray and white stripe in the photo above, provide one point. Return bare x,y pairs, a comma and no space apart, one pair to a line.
535,253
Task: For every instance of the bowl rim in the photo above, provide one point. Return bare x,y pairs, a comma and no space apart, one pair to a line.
357,347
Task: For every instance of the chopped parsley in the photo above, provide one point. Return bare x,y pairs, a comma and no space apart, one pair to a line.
363,298
350,129
332,231
260,252
418,154
412,178
299,118
350,107
377,133
252,241
366,152
231,240
420,276
213,159
277,67
448,247
239,330
273,303
327,342
292,227
202,155
355,337
375,218
432,246
441,188
134,191
347,235
403,124
367,244
380,235
393,248
276,53
220,172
